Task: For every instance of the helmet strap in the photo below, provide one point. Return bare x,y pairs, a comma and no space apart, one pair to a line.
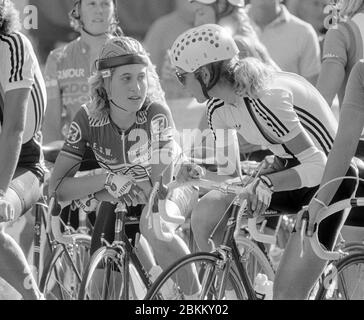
203,86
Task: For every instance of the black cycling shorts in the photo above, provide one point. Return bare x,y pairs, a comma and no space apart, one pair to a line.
291,202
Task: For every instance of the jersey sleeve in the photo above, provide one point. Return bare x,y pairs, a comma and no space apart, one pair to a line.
277,116
18,62
161,126
310,64
226,141
354,94
78,135
335,46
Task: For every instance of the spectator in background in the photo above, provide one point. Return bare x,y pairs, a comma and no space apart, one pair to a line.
160,38
69,67
311,11
292,43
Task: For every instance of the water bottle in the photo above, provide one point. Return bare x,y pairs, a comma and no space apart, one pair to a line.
263,287
275,255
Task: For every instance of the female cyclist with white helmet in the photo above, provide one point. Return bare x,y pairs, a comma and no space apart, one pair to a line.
130,130
278,110
231,15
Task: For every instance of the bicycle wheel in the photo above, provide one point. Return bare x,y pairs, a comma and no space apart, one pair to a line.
318,290
174,283
344,280
253,258
62,275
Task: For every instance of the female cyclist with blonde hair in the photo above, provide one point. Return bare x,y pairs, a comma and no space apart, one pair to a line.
281,111
130,130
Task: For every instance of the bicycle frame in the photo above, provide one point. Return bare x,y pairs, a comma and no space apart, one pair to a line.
122,244
229,251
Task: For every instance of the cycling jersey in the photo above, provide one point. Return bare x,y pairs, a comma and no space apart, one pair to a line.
289,106
20,69
344,45
119,150
66,73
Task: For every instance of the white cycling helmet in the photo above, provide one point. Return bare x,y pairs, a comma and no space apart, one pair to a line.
236,3
202,45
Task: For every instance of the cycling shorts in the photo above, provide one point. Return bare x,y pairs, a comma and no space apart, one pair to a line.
330,227
27,187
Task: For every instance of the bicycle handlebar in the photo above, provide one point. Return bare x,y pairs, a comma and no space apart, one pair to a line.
319,250
54,211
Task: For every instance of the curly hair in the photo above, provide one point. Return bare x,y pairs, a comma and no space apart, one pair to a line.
349,8
248,76
9,18
119,46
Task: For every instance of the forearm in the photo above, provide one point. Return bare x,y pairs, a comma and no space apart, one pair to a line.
285,180
9,159
77,188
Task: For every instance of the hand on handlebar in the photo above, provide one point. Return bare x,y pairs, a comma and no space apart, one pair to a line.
188,171
259,197
124,188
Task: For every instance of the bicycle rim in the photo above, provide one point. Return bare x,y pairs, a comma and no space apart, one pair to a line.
345,280
176,282
253,258
62,279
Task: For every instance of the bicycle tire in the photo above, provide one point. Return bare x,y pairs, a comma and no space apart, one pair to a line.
332,289
58,266
211,259
89,275
253,256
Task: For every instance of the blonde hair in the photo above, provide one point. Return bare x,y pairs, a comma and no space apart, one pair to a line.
349,8
9,18
251,47
119,46
248,76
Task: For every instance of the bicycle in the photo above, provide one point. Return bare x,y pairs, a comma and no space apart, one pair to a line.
224,269
69,250
343,278
124,276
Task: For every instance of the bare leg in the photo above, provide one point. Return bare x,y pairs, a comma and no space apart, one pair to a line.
296,276
205,217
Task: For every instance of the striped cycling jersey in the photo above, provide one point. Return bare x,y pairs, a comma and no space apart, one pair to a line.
289,106
20,69
120,150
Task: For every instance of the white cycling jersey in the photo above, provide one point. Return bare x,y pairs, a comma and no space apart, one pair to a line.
290,106
20,69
